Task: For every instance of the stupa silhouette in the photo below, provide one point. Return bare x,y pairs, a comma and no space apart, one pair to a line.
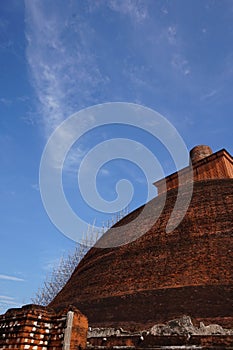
162,275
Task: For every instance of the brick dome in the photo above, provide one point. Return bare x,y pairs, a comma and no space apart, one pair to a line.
163,275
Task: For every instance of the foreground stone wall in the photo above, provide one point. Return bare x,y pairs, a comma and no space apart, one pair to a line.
37,328
175,334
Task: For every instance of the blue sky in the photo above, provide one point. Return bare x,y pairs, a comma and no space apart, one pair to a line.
58,57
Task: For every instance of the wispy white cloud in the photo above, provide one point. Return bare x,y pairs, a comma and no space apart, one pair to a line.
74,159
5,43
63,72
23,98
30,119
35,187
137,10
171,34
66,73
172,43
5,297
3,24
9,303
5,101
104,172
6,300
164,10
208,95
11,278
51,264
180,64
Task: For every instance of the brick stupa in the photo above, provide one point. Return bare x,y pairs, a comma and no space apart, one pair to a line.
161,275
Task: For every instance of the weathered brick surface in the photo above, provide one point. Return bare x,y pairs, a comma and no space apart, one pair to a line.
79,332
37,328
160,276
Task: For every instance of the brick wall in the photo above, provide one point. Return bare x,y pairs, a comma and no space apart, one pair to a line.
216,166
37,328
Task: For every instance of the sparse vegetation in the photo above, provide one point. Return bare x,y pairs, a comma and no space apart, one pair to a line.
61,273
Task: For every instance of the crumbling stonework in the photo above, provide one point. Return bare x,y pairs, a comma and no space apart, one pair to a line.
175,334
36,328
184,326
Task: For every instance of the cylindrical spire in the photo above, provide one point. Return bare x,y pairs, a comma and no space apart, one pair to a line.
199,152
